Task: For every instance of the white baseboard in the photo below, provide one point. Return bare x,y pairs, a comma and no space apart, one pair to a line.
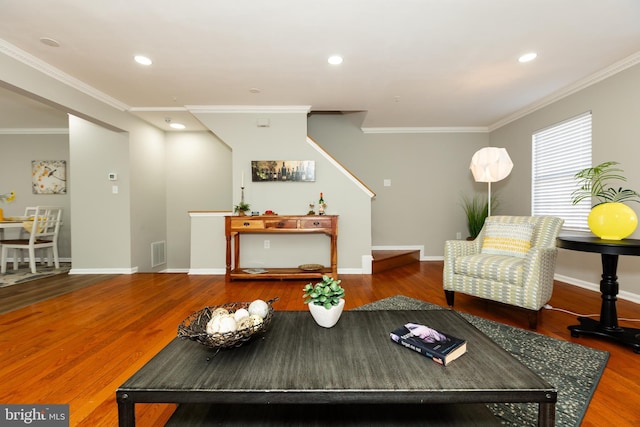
104,270
196,271
628,296
351,271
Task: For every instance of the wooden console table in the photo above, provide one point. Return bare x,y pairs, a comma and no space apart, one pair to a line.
279,224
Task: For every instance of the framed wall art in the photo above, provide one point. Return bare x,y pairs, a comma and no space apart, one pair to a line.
49,176
283,170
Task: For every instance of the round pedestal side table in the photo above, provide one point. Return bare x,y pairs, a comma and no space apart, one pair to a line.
609,251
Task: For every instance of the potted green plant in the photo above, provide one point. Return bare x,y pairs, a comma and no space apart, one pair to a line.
609,218
476,209
325,300
241,208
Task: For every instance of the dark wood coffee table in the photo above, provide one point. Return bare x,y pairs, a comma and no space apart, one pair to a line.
298,368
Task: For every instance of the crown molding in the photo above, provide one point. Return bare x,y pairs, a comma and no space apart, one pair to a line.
157,109
34,131
255,109
460,129
59,75
597,77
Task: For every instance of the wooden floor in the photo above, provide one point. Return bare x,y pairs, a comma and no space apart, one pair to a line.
79,347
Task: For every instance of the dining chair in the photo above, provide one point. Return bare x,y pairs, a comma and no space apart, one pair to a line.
29,212
43,234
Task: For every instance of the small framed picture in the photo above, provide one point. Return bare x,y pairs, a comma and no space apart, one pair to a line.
49,176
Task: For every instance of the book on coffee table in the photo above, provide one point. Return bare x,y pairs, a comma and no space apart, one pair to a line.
441,347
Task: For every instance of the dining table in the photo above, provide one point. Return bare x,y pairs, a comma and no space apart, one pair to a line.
9,223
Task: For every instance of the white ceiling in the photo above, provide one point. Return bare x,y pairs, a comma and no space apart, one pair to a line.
408,63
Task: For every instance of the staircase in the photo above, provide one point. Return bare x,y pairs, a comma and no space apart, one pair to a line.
386,260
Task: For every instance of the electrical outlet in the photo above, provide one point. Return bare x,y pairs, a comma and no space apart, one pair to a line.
458,235
267,244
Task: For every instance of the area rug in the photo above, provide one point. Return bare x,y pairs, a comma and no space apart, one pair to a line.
572,368
24,274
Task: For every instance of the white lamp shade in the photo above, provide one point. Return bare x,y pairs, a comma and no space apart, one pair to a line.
491,164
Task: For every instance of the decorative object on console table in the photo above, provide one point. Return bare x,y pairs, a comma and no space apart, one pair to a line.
325,300
440,347
321,205
609,218
241,208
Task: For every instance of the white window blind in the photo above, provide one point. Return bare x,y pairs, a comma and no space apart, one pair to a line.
558,153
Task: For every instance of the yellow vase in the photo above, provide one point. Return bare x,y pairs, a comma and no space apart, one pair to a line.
1,215
612,221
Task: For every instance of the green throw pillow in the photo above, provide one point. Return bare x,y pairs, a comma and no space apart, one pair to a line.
507,239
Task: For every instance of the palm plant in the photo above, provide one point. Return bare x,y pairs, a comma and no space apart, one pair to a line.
594,184
476,209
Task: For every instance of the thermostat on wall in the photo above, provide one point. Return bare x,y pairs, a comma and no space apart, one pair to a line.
113,176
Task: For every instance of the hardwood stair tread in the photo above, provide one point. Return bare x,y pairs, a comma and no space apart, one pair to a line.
384,260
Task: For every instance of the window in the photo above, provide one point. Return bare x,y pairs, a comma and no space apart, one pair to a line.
559,152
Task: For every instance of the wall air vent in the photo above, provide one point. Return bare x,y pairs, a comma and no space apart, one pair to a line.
158,253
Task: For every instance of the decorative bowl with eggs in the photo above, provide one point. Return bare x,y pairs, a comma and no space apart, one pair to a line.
228,325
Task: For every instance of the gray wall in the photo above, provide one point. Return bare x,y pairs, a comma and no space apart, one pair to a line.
615,107
428,174
148,191
286,139
101,231
119,140
18,150
198,178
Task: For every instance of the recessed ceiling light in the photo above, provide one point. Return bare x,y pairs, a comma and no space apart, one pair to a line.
528,57
335,60
49,41
142,60
177,126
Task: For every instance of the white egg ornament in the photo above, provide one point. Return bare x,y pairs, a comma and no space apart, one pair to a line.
256,319
219,312
213,325
227,324
241,313
259,308
244,323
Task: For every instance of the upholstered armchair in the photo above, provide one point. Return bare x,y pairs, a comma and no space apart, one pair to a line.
512,261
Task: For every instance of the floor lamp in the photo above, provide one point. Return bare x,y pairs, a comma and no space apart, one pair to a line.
490,164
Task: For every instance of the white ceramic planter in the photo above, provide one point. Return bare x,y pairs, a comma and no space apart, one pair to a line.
326,318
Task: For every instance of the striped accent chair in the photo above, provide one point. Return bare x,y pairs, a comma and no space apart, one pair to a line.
512,261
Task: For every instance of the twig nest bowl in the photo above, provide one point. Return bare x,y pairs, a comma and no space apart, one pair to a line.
219,327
